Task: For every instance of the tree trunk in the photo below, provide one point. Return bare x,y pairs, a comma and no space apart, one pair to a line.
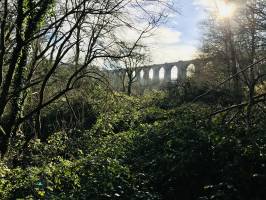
129,88
237,93
252,83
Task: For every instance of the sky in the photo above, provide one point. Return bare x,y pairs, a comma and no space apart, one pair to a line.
179,38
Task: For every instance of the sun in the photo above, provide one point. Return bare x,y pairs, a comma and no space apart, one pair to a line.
226,10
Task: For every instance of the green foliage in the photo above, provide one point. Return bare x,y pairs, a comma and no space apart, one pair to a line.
187,90
142,148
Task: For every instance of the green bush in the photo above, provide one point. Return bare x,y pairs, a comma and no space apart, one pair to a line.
142,148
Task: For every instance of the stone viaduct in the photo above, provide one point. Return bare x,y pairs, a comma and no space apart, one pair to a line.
156,76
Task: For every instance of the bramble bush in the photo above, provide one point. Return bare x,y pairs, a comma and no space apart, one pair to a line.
142,148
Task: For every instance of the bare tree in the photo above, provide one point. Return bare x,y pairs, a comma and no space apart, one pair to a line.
129,67
239,44
38,37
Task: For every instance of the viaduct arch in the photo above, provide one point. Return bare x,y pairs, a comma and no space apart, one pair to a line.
159,75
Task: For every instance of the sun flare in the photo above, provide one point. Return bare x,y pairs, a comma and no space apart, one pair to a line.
226,10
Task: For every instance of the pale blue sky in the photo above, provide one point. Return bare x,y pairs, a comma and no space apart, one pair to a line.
179,38
188,19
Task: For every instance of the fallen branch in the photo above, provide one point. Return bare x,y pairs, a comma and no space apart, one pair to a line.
257,99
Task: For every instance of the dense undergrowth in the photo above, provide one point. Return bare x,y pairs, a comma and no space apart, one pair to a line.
139,148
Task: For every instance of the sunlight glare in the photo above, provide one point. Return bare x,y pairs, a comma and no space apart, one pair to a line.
226,10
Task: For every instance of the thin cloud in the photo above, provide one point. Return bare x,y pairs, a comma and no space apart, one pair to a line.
205,3
162,54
